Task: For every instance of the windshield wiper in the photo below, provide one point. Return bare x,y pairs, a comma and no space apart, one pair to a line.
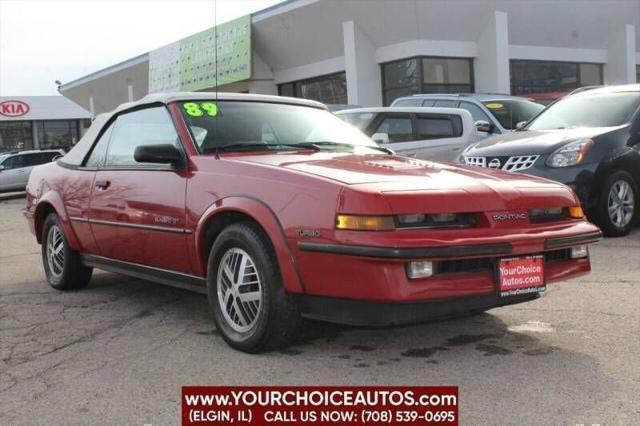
254,146
321,144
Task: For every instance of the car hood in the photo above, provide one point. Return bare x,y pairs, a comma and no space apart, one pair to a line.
393,171
409,184
533,142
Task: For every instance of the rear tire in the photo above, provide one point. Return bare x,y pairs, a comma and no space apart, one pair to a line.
617,209
62,266
251,309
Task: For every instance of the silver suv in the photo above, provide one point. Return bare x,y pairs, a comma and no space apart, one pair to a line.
15,168
492,114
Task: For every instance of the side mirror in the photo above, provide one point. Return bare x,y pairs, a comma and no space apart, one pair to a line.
483,126
1,168
158,154
380,137
520,124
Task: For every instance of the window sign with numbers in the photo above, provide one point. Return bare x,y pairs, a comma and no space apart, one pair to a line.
190,63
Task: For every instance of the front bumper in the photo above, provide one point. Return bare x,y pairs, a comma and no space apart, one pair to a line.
375,314
466,267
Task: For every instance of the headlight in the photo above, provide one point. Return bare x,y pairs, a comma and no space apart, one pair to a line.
555,213
570,154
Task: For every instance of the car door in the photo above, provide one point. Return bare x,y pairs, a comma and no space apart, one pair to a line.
137,211
398,128
12,176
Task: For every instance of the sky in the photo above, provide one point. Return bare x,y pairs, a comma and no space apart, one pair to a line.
42,41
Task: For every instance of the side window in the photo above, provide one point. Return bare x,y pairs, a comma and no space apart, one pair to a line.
408,102
148,126
476,112
398,128
439,127
445,103
99,152
10,163
31,160
428,102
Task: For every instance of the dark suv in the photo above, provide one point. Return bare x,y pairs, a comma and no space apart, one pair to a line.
590,141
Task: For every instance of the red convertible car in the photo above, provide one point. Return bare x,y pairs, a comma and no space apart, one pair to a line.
278,210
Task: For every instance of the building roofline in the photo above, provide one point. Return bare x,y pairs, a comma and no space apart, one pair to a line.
108,70
256,16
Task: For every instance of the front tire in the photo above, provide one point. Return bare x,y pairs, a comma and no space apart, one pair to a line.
251,309
62,266
617,209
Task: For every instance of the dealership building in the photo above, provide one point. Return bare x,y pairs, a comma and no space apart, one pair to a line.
40,122
370,52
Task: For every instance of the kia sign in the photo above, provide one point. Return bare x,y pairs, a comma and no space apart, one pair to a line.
13,108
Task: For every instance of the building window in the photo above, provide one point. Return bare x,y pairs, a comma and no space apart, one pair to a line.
15,136
426,75
328,89
638,74
544,77
57,133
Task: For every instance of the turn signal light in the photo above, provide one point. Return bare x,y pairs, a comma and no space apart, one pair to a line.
365,223
576,212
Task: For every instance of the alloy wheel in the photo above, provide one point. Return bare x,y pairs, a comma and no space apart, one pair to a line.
55,251
239,290
621,203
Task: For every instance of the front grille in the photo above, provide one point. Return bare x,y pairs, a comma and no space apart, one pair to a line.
512,164
521,162
486,264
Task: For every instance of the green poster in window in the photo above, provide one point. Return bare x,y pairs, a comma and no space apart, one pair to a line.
197,62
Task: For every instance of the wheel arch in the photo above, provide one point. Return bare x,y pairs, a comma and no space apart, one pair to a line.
628,162
238,209
51,202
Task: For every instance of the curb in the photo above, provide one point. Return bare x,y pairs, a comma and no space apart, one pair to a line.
12,196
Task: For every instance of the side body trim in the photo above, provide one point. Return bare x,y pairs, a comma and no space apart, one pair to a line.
158,275
133,225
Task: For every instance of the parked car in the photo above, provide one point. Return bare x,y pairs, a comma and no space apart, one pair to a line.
437,134
277,210
492,114
16,167
589,140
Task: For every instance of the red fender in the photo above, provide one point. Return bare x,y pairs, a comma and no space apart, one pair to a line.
54,199
267,219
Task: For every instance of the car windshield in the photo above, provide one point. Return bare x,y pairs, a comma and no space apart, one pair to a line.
359,119
260,125
588,110
510,112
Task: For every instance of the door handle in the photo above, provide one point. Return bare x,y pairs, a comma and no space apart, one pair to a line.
410,154
102,184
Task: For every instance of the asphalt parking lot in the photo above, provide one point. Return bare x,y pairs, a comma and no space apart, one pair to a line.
119,351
